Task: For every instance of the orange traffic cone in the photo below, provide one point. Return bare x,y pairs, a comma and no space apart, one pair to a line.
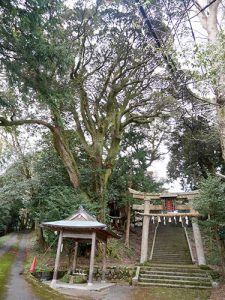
33,265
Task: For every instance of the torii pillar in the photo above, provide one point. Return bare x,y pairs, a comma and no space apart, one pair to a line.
145,232
198,242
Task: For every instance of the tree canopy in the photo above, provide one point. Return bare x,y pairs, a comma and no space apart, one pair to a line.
89,69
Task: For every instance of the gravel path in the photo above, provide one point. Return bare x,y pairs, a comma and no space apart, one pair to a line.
17,287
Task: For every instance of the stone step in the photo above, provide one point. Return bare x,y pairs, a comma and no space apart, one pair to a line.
168,267
170,255
172,262
165,233
171,237
184,273
178,277
174,258
165,258
176,281
171,249
170,258
170,246
150,265
146,284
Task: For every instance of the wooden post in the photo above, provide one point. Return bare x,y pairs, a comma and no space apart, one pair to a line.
53,283
145,233
127,237
104,260
92,258
198,242
75,257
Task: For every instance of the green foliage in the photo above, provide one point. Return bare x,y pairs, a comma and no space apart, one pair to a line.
212,201
15,194
195,151
89,68
210,57
131,167
47,195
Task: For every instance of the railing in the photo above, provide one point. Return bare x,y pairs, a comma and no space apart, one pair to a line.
189,244
135,279
153,242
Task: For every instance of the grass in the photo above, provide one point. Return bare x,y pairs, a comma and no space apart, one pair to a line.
158,293
6,261
43,292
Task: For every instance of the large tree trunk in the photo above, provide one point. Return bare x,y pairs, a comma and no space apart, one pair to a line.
209,22
66,155
101,192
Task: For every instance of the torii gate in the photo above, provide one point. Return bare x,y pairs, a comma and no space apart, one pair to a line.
168,209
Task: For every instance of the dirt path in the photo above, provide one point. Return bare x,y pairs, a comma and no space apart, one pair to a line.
17,287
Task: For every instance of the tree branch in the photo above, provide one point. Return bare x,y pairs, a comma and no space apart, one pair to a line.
220,175
4,122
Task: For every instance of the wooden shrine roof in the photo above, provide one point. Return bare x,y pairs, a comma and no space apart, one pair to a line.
80,221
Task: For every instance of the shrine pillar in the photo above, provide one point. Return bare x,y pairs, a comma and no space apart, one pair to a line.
198,242
145,232
53,283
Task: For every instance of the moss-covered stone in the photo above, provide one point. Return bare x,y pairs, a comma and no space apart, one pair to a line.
75,278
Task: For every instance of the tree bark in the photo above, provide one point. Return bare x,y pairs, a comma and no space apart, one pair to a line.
66,156
101,193
210,23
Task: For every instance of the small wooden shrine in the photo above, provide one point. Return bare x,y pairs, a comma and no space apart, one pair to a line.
82,228
162,208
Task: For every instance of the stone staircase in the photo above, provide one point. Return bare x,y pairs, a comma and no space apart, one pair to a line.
171,246
177,276
171,264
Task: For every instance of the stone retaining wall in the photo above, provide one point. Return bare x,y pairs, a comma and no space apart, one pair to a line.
112,273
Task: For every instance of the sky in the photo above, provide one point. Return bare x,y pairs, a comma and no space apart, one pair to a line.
159,172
